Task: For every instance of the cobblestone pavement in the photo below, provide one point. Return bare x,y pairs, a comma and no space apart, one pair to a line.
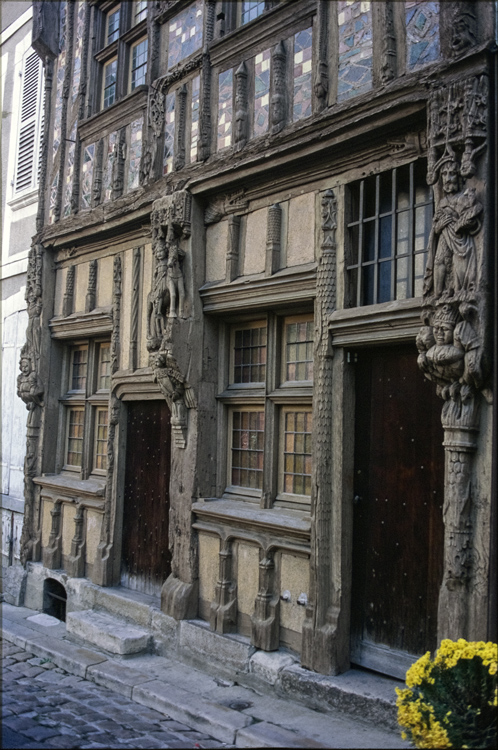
45,707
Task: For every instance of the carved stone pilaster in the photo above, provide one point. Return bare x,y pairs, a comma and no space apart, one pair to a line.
180,130
273,237
223,610
321,621
52,553
68,299
75,565
102,572
321,85
91,293
278,104
97,174
233,248
48,70
266,618
135,305
241,107
455,309
116,312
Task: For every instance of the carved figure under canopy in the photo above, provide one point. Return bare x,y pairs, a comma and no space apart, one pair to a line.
451,265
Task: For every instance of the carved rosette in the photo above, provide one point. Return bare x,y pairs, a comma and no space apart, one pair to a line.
450,343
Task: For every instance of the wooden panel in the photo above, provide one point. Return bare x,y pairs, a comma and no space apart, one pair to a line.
146,559
398,527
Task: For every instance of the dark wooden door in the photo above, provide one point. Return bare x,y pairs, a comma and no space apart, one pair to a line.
146,559
398,526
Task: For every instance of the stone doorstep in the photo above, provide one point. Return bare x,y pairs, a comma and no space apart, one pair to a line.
107,632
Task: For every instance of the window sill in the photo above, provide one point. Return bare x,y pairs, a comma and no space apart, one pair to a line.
94,323
292,524
87,490
387,322
22,201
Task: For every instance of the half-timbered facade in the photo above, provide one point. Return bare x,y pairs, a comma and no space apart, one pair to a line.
259,360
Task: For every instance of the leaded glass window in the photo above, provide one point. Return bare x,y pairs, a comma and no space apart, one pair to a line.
138,63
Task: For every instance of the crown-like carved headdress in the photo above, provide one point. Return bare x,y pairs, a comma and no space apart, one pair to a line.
446,314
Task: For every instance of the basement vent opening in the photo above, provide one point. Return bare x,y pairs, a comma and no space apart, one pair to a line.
54,599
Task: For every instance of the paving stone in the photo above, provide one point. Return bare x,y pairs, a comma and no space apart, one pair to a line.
29,671
40,734
7,662
65,742
19,724
175,726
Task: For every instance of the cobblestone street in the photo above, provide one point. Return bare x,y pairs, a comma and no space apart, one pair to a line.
45,707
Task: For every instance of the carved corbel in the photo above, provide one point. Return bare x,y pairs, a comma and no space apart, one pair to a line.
241,107
278,108
223,610
266,618
225,204
273,238
177,391
68,299
75,565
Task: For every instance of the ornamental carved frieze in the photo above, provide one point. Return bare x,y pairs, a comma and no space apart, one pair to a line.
451,341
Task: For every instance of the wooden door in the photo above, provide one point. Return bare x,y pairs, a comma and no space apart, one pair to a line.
398,526
146,559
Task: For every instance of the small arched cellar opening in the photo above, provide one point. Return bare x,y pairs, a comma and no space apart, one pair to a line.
54,599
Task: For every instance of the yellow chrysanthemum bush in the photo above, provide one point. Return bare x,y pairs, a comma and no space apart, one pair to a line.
451,700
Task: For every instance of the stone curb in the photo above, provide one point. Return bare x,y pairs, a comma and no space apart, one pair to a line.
264,734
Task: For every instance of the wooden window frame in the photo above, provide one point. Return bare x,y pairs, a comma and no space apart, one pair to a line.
91,400
274,397
355,247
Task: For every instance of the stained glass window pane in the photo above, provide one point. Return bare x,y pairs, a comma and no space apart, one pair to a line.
185,33
299,350
194,131
87,176
262,92
302,74
355,48
135,153
422,33
169,133
225,109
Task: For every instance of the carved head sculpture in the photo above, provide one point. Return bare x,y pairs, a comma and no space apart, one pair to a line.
450,174
463,31
444,324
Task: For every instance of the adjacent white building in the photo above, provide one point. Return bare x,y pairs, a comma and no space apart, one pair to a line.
22,92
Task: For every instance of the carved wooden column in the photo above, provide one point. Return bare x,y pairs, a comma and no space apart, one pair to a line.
233,249
241,107
68,299
223,610
48,72
278,104
135,305
204,143
181,120
321,85
451,342
266,617
320,628
273,237
91,292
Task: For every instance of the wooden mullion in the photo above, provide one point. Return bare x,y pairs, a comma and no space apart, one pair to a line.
394,227
359,281
411,216
376,241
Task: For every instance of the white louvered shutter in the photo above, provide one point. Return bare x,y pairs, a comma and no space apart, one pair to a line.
30,129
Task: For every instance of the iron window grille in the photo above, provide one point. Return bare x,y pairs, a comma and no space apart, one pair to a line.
389,217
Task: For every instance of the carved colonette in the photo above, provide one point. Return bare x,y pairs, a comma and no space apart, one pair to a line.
455,309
